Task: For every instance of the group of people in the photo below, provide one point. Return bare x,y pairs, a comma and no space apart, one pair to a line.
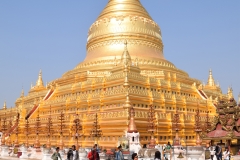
71,155
217,154
74,155
94,155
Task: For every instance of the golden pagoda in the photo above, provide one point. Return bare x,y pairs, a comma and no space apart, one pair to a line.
124,67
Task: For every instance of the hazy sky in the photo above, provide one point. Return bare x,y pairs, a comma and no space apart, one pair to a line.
51,35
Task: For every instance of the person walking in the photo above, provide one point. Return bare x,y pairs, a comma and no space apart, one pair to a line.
56,155
119,154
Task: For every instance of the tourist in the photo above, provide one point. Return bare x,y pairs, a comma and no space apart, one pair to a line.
97,149
212,152
56,155
70,154
218,153
134,156
119,154
226,154
168,146
157,155
93,155
73,154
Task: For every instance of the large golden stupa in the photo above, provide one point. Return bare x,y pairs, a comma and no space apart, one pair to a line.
124,67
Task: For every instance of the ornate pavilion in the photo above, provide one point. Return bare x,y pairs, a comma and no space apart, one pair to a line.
124,67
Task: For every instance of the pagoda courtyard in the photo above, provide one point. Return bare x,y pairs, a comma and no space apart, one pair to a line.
124,93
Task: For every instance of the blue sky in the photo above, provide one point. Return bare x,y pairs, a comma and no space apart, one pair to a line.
51,35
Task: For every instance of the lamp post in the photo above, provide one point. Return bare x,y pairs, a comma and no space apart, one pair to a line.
37,127
76,128
61,125
96,131
27,131
49,126
4,128
151,125
17,130
198,128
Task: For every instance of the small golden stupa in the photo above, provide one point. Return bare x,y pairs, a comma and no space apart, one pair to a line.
124,67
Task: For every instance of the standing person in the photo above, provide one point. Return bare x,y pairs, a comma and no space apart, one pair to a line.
219,152
226,154
168,146
157,155
70,154
94,154
212,152
119,154
134,156
56,155
75,153
89,156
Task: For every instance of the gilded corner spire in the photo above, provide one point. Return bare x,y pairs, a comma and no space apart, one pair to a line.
126,59
230,93
22,93
4,105
132,126
39,82
210,79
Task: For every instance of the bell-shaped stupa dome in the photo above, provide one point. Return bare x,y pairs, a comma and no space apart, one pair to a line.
119,21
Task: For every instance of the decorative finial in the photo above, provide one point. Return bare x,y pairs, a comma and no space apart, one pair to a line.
22,93
132,126
126,58
31,85
210,79
5,105
39,82
230,93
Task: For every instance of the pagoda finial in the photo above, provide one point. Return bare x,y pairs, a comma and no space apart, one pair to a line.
4,105
22,93
126,58
210,79
39,82
230,93
132,126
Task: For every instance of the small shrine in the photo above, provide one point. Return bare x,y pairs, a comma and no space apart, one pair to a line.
225,127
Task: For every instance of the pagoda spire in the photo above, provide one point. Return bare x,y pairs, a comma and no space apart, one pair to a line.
4,105
132,126
126,59
39,82
230,93
211,81
22,93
